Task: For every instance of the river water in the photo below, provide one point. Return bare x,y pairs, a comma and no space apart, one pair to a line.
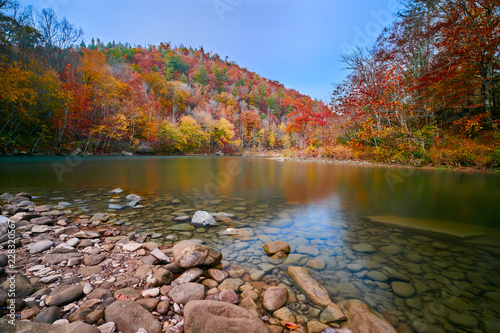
421,247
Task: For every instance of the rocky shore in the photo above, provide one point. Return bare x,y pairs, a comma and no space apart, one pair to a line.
82,273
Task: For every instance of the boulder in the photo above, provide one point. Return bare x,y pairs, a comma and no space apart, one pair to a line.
130,316
87,234
30,327
189,254
216,317
275,298
22,285
316,292
361,319
202,218
186,292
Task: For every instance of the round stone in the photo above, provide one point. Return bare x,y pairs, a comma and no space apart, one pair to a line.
402,289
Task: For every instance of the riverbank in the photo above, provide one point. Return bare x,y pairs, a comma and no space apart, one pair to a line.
292,157
77,272
288,157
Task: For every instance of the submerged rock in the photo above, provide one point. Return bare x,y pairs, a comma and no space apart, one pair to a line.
202,218
316,292
361,319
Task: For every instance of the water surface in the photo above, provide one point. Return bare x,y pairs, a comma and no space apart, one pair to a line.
322,210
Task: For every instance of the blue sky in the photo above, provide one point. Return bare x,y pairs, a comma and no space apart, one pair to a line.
298,43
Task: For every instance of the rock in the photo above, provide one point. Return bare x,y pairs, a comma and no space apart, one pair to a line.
129,292
364,247
30,313
116,191
377,276
189,275
395,275
64,248
90,270
87,234
186,292
231,283
361,319
332,314
463,320
492,296
38,229
44,220
160,255
130,316
274,298
189,254
64,294
216,317
317,293
57,258
217,274
229,296
100,293
402,289
304,249
48,315
163,276
107,328
390,250
202,218
272,248
163,307
149,304
151,292
315,327
284,314
316,264
93,259
132,246
30,327
79,315
243,232
22,286
94,316
6,196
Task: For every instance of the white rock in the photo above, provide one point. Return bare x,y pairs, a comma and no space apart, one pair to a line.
41,246
116,190
151,292
40,228
203,218
87,289
160,255
132,246
72,242
61,322
50,279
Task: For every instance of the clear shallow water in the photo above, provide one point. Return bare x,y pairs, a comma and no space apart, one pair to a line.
321,210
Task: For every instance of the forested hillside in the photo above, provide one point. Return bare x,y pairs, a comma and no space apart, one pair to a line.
58,94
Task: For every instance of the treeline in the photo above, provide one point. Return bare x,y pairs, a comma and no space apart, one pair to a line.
428,91
58,94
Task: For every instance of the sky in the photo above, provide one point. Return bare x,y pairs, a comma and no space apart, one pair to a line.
298,43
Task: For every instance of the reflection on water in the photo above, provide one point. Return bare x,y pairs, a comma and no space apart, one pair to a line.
421,283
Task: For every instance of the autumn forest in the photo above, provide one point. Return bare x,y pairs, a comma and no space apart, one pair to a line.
426,93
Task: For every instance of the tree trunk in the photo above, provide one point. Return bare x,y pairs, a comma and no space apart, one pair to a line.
487,90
